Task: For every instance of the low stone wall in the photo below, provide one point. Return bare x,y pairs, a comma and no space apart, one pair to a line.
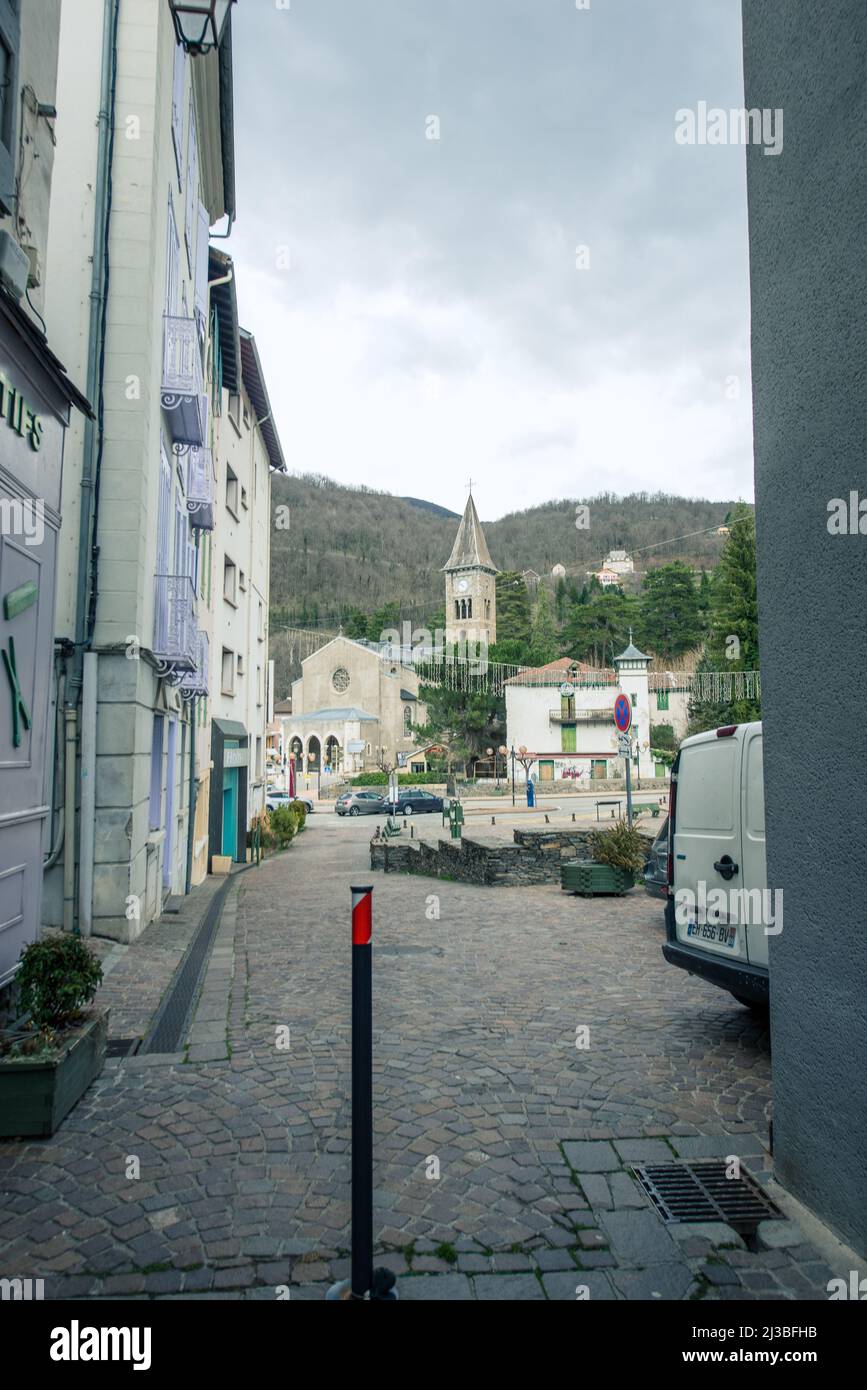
534,857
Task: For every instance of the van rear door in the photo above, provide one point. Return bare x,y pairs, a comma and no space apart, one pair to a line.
753,878
707,833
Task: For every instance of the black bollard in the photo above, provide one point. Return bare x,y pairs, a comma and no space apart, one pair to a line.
362,1092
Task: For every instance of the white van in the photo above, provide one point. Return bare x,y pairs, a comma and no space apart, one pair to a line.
720,915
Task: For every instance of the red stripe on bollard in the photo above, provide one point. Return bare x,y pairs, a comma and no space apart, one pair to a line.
362,916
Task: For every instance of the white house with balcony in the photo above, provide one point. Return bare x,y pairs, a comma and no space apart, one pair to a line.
560,720
144,168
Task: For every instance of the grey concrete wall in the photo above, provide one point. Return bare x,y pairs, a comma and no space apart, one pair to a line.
808,234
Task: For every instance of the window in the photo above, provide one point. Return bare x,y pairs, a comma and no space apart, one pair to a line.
260,630
235,410
598,769
9,45
407,720
662,699
230,580
258,757
232,492
259,686
340,680
228,672
155,813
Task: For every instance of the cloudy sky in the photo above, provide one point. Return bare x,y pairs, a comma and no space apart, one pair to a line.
418,302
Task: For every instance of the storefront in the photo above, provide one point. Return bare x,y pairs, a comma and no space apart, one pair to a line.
36,397
227,819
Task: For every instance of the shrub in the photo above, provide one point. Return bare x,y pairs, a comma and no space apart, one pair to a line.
284,823
300,811
620,847
57,979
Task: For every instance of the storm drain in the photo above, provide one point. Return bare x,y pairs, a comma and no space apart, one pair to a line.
169,1028
121,1047
702,1192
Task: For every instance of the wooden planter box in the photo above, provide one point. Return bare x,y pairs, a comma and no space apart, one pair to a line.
37,1093
586,877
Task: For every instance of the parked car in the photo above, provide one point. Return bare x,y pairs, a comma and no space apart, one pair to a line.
275,798
716,863
360,803
656,868
413,801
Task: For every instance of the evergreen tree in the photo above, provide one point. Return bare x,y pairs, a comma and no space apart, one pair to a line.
465,724
670,618
543,630
513,607
598,631
733,644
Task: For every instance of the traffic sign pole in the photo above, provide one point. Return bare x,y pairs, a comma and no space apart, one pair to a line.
623,724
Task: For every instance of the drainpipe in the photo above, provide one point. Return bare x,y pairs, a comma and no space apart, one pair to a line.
191,799
95,344
70,715
87,519
88,795
57,772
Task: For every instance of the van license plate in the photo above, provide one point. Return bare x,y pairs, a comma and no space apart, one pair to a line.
719,932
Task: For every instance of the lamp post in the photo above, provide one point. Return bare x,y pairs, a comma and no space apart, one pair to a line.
489,752
502,752
199,24
513,774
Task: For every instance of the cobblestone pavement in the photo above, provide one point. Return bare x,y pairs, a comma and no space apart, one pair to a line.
242,1143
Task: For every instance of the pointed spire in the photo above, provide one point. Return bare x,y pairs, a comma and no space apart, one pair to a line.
470,550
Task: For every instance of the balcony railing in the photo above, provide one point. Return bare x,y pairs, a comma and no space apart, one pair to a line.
175,630
200,489
195,682
575,716
183,388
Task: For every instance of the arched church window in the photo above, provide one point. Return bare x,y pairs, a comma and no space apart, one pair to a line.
407,720
340,679
457,608
469,607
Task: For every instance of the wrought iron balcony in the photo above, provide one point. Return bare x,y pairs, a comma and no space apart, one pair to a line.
200,489
575,716
183,387
195,682
175,631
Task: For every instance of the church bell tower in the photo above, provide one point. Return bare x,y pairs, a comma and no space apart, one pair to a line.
471,594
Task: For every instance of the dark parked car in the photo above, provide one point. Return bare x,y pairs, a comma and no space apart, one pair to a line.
413,801
360,803
656,868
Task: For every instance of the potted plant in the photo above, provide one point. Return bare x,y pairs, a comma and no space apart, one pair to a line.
57,1048
618,857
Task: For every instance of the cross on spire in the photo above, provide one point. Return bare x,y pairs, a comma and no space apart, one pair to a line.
470,484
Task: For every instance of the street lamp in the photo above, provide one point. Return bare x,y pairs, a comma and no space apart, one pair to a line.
513,774
199,24
502,752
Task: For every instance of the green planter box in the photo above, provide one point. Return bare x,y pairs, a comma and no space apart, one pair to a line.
586,877
37,1093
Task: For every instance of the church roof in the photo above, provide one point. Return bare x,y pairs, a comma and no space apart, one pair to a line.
470,550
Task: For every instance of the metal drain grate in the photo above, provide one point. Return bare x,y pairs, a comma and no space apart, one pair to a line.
169,1027
702,1192
122,1047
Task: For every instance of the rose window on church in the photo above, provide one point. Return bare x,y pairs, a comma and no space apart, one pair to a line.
340,680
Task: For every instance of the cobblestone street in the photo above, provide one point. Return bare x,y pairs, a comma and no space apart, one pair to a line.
243,1143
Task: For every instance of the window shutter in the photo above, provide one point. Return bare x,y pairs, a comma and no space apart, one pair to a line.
172,261
164,512
178,82
192,210
202,268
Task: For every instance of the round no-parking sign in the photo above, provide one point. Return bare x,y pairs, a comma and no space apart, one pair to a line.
623,713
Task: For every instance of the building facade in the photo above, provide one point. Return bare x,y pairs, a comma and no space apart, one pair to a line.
38,402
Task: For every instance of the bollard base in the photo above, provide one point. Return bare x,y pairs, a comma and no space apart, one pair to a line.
383,1291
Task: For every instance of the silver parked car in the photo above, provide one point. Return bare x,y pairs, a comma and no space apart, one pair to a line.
275,798
363,802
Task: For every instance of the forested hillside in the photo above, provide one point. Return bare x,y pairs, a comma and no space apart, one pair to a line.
353,549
